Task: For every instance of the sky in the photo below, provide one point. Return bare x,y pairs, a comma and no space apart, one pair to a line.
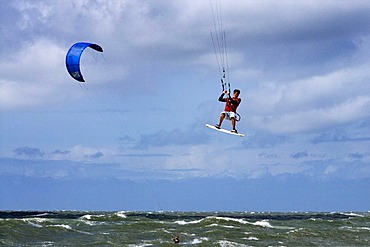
133,137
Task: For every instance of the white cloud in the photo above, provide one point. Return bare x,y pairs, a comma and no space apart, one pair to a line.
34,76
312,104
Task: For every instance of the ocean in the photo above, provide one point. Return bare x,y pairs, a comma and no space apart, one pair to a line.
129,228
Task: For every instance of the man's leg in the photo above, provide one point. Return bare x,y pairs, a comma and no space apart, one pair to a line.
222,117
233,123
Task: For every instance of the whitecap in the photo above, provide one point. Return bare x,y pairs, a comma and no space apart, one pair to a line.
90,223
182,222
225,243
252,238
64,226
47,243
295,230
364,228
228,227
36,219
354,229
229,219
91,217
32,223
121,214
41,215
263,223
87,217
353,214
196,241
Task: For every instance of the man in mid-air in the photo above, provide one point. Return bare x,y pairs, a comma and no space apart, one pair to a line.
230,108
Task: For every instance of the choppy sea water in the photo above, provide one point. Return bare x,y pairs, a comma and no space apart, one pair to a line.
84,228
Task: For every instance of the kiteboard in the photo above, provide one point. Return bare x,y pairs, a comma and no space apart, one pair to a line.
224,131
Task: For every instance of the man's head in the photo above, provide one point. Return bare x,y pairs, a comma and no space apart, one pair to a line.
236,92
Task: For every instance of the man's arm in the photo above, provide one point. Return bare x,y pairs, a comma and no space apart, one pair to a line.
221,98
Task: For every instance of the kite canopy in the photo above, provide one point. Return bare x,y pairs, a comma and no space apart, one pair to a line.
73,58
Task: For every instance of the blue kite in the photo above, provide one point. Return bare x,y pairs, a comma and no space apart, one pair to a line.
73,58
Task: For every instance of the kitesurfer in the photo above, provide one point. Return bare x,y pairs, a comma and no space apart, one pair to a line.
230,108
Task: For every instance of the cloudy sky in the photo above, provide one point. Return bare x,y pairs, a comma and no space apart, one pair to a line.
133,137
